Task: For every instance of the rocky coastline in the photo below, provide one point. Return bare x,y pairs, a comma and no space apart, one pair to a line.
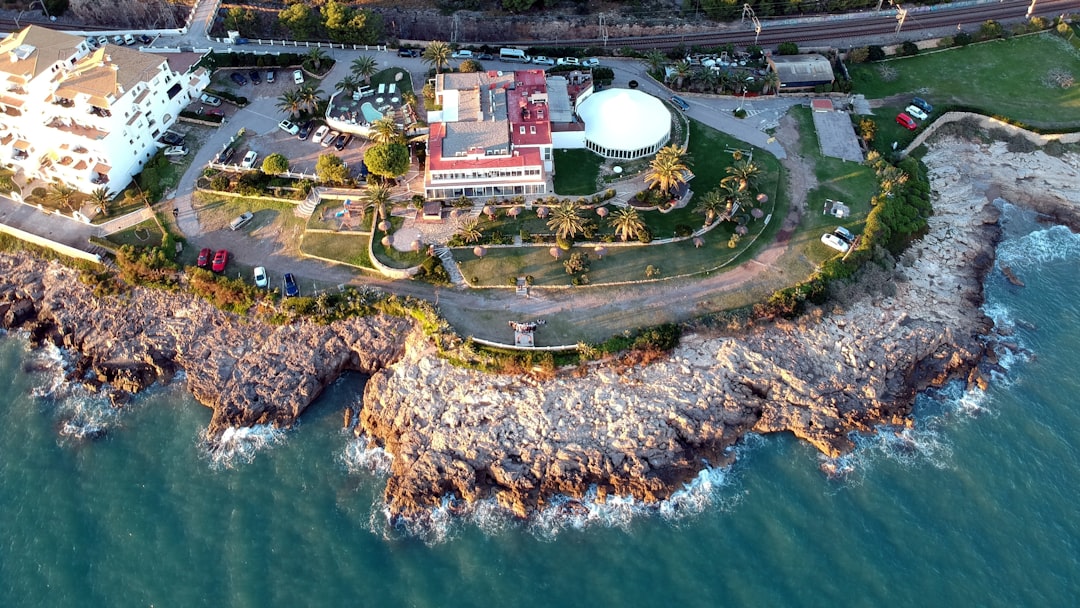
640,431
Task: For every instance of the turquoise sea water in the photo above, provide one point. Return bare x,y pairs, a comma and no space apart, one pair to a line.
975,507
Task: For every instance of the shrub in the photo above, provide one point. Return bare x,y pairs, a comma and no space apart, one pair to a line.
231,295
151,267
787,48
908,49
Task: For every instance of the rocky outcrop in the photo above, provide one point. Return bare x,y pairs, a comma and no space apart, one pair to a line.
643,431
246,371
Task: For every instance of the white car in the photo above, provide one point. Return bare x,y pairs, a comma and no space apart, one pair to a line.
102,40
915,112
835,242
129,39
463,54
210,100
590,62
289,127
541,60
329,139
249,159
298,77
176,151
320,133
568,61
260,277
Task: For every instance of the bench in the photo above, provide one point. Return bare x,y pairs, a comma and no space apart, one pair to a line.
382,88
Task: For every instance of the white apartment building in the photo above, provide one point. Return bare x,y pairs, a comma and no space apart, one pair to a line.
89,118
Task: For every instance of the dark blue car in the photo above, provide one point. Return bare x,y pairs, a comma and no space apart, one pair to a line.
238,78
291,288
679,101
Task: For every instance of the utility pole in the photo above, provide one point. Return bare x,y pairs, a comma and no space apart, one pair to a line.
1031,9
901,14
603,30
748,11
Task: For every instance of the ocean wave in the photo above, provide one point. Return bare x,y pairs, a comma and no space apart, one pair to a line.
360,456
80,412
239,445
1039,247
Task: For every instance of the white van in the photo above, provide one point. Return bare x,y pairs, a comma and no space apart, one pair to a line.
514,55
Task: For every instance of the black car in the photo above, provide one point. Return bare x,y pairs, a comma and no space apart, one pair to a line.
342,140
172,139
225,155
408,52
922,104
485,57
143,38
291,288
305,130
238,78
254,75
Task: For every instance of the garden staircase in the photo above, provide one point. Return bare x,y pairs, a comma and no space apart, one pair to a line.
450,264
306,208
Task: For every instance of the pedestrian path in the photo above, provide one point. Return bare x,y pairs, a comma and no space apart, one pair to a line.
450,264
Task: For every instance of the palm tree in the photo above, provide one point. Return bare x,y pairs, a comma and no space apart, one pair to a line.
656,60
745,171
437,54
101,199
316,56
409,98
710,80
378,196
385,130
364,67
627,223
309,97
712,205
682,71
289,101
470,230
772,82
667,171
61,194
566,219
348,84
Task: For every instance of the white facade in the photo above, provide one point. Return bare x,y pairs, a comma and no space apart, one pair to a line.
624,123
84,117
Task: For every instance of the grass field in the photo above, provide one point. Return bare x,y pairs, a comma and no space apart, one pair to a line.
144,234
1002,77
350,248
577,172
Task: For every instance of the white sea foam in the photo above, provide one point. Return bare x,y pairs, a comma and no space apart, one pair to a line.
80,412
1053,244
239,445
361,456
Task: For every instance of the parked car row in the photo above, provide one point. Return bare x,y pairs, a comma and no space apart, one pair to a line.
97,42
840,239
918,109
217,261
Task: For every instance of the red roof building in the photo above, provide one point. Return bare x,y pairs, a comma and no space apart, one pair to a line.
492,136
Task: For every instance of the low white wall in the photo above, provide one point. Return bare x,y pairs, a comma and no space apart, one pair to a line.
44,242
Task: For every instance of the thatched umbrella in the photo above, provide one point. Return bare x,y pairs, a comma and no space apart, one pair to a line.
541,212
602,212
763,198
489,211
386,241
384,225
698,241
600,251
555,252
514,212
741,230
479,251
757,213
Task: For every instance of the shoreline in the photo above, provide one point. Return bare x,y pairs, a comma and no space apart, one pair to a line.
613,429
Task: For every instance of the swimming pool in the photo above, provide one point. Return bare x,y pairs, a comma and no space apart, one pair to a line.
370,113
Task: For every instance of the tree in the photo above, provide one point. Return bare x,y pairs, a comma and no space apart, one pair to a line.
667,171
100,198
437,54
772,82
566,219
470,66
470,230
300,20
348,84
331,169
275,163
239,19
290,102
745,172
788,48
390,160
309,97
317,56
627,223
578,262
61,194
712,205
656,60
517,6
385,130
377,196
681,72
364,67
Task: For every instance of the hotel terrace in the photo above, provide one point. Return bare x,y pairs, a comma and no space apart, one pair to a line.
89,118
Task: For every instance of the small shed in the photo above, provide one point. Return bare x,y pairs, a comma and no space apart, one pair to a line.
431,211
801,71
821,105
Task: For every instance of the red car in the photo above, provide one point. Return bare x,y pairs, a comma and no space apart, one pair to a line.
220,259
204,258
906,121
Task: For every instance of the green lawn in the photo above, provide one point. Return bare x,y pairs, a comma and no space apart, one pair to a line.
1002,77
144,234
350,248
577,172
389,256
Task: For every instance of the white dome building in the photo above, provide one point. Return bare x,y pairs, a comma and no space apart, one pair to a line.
624,123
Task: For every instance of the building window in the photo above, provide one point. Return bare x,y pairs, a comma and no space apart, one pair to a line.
522,131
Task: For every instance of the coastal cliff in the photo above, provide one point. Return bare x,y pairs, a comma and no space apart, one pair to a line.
629,430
